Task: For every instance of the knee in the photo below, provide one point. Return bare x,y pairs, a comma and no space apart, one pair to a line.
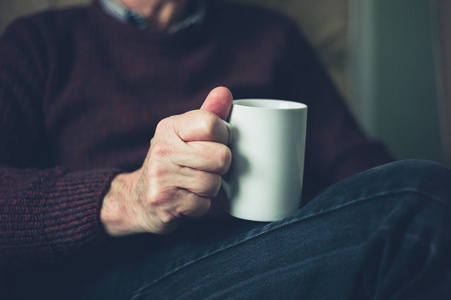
421,180
416,169
418,175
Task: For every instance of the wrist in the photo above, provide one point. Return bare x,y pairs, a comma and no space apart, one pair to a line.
117,213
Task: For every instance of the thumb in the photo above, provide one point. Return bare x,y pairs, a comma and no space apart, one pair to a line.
219,101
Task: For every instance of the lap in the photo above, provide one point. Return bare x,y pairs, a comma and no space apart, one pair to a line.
390,221
392,218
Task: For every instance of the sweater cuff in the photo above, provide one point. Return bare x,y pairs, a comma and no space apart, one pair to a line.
71,213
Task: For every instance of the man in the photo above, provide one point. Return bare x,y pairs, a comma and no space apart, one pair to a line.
83,91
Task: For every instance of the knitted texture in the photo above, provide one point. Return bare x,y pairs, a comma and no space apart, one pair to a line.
81,94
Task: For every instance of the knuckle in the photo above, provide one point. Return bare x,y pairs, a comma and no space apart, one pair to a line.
216,180
209,123
225,159
194,206
156,172
161,149
216,185
165,124
159,196
211,184
166,218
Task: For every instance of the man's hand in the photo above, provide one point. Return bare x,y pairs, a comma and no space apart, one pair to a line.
181,173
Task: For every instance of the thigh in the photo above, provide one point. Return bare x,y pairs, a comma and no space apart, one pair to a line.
381,234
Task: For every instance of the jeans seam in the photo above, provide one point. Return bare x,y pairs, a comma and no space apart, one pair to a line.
275,226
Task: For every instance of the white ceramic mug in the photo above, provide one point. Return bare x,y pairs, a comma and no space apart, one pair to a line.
268,144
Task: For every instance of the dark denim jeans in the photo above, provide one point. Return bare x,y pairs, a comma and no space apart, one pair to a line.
382,234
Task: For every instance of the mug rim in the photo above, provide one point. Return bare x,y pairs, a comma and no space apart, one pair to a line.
262,103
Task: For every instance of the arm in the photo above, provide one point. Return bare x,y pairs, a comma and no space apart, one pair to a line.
49,212
45,212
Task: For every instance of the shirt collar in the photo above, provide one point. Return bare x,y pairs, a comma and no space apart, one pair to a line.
120,12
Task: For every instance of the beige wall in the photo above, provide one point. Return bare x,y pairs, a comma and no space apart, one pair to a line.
11,9
323,21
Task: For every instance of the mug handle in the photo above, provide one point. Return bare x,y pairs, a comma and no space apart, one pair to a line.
229,128
224,184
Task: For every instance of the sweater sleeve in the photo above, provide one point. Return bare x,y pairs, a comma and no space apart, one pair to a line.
336,147
48,214
45,212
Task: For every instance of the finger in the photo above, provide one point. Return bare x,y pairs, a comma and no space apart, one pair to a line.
205,156
165,216
219,102
204,184
191,205
201,125
200,176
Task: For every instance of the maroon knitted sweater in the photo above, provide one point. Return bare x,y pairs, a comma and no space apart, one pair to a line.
81,94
